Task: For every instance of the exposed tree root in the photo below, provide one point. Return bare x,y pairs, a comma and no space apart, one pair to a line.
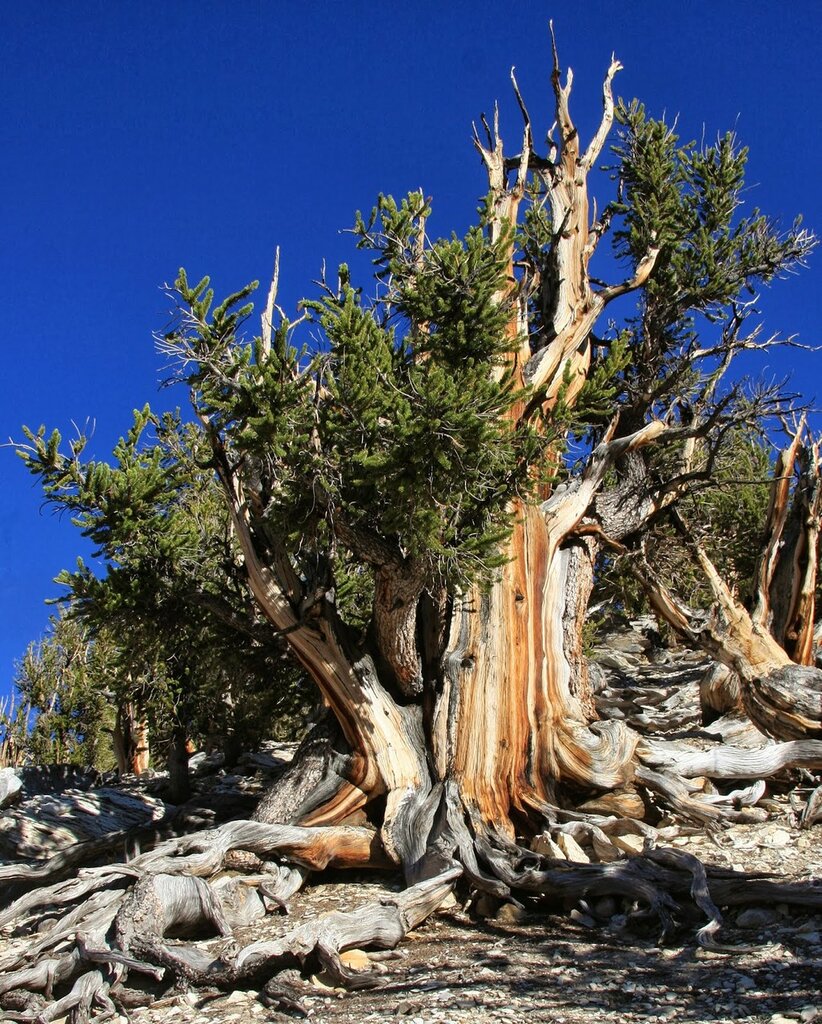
729,762
177,889
379,925
122,920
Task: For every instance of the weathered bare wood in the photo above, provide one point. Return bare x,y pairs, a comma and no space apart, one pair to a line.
382,925
812,811
58,895
94,953
777,517
43,976
319,777
690,804
44,824
728,762
468,736
160,905
61,864
786,702
699,890
783,699
95,916
719,692
88,990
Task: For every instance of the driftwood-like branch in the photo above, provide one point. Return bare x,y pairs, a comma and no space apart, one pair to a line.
42,977
88,990
381,925
690,805
598,141
729,762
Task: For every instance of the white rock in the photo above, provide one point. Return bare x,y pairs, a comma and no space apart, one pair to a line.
572,850
629,843
10,786
779,838
545,845
239,996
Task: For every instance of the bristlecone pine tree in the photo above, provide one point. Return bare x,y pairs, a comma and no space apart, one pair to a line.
421,453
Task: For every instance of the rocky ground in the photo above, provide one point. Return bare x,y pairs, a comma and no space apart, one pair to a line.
581,964
584,968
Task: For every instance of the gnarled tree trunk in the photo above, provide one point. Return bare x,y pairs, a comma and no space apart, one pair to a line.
463,722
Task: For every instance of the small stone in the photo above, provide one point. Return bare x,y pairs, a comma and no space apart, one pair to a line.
809,1013
629,843
757,917
616,661
605,908
572,850
779,838
510,913
605,850
584,919
356,959
323,981
486,905
239,996
546,846
449,903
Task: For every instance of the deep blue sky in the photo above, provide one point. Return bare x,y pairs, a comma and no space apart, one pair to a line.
138,137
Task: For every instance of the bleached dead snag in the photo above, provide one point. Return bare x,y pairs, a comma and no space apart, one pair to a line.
786,577
782,698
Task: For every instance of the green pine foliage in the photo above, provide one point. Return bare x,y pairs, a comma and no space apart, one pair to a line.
390,438
190,649
62,682
393,430
688,200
